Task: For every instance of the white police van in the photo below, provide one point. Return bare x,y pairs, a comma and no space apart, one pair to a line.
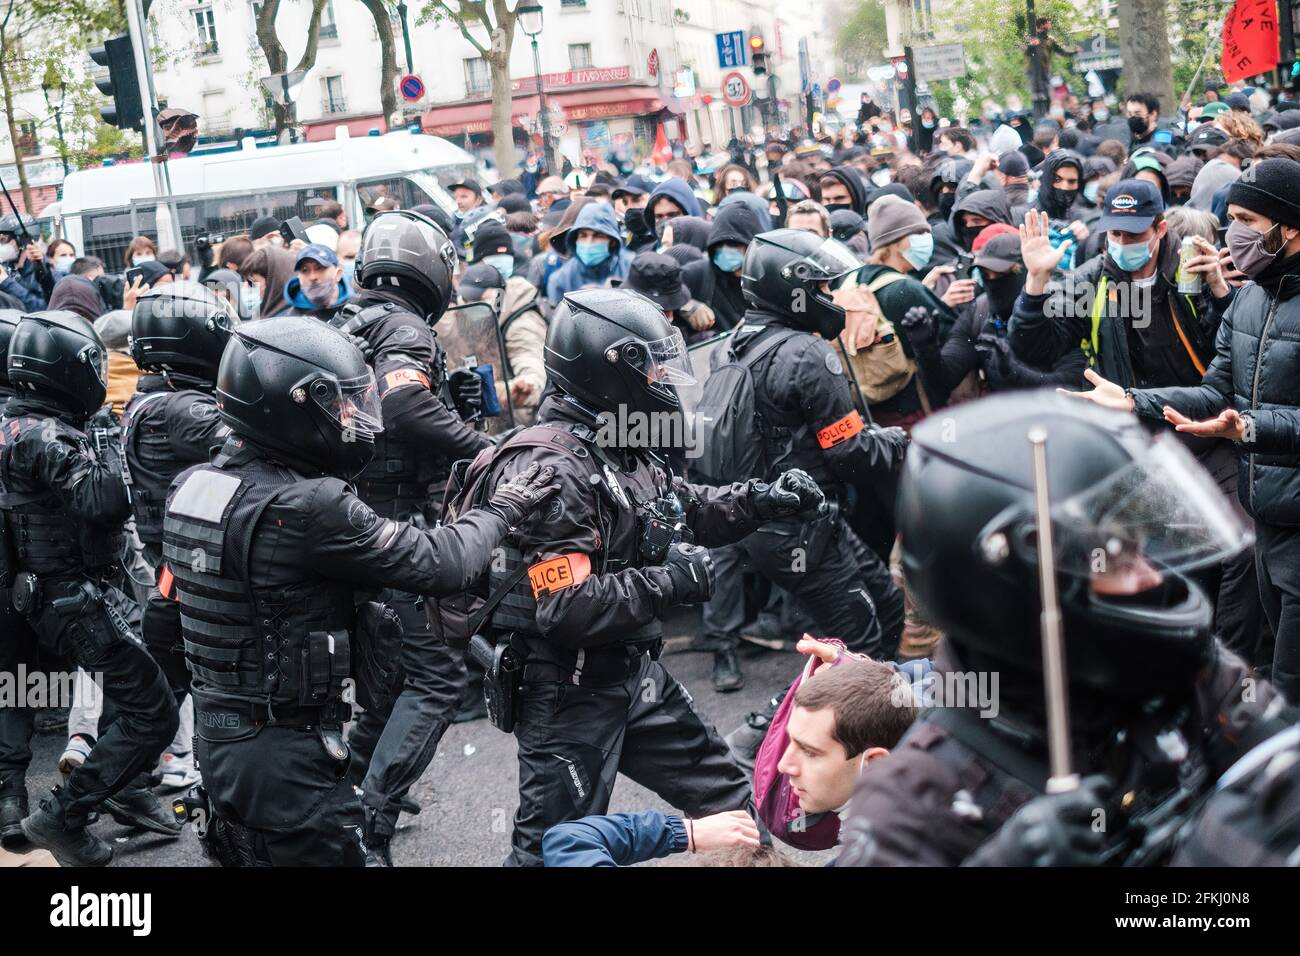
222,193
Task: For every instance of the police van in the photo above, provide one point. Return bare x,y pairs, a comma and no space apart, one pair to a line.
220,194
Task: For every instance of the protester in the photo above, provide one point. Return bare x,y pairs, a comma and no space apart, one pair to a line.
318,287
716,282
596,244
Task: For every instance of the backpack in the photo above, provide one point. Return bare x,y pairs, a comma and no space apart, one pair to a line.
458,617
726,413
882,369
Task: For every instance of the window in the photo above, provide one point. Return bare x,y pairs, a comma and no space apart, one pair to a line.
573,3
206,24
478,79
332,99
329,28
27,144
579,56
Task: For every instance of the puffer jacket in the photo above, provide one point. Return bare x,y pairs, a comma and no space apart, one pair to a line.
524,331
1255,370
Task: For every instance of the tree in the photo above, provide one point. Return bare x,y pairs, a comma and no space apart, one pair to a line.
38,40
499,22
861,40
1144,45
380,10
277,60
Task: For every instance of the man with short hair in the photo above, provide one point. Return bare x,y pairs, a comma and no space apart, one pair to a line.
318,287
1143,112
810,216
957,142
467,194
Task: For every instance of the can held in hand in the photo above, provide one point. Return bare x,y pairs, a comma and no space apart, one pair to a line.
1189,283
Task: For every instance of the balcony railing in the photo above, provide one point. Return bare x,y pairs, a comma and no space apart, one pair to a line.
336,104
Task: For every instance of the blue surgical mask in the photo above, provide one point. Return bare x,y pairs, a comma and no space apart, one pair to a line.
141,259
63,264
504,263
920,247
592,252
728,258
1131,257
1090,191
350,271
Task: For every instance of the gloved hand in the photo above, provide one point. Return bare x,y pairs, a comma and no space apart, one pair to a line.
363,346
519,497
1052,830
996,360
467,393
793,492
920,327
691,569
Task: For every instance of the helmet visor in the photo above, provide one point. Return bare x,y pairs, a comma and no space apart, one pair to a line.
663,361
1163,509
830,261
97,360
352,404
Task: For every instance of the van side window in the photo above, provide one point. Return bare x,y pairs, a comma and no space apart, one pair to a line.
407,193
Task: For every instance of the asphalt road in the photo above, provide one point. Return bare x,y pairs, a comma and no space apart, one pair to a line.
470,791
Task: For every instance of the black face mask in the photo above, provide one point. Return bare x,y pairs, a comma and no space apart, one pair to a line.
1002,294
1137,125
946,202
1057,202
635,221
834,207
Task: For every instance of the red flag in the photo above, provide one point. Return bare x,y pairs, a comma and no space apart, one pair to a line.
662,152
1250,39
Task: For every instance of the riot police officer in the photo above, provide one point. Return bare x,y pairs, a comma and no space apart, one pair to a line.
262,549
64,506
178,334
807,420
583,586
1156,707
404,269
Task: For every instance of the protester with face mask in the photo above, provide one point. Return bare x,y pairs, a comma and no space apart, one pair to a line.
715,280
60,255
1088,207
24,272
595,247
318,287
266,272
1248,393
140,250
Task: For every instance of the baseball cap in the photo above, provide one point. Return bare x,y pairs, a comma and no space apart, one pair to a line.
1000,253
477,280
471,184
1211,110
1131,205
634,185
552,184
319,253
1013,163
1207,137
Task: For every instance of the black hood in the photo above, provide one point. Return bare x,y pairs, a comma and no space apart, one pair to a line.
1056,202
849,177
735,223
992,204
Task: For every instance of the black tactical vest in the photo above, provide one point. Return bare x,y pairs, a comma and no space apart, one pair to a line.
274,642
47,541
149,464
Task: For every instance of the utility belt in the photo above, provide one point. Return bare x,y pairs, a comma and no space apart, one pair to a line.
224,719
601,667
64,592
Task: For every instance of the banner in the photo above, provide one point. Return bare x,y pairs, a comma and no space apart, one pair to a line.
1250,39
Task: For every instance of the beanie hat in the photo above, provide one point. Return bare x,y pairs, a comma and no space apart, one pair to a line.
1270,188
490,239
890,219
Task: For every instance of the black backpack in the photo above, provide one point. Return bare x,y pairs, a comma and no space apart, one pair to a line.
727,413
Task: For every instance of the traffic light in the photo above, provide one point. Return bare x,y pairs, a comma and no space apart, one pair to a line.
122,83
758,54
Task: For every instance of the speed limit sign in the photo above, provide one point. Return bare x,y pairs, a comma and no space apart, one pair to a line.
735,91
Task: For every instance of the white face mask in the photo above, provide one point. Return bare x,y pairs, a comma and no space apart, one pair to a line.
8,252
142,258
63,264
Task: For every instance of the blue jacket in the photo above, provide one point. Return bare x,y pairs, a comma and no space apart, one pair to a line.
618,839
302,305
679,191
32,300
573,275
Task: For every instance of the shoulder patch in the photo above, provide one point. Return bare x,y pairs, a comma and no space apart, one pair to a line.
556,574
201,411
360,515
404,335
405,376
204,495
833,364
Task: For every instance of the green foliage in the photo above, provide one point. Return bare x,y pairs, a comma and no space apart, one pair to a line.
862,38
104,142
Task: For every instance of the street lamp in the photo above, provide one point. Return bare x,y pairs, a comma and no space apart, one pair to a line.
48,86
530,21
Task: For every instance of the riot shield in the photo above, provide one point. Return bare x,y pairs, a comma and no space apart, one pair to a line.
704,357
471,338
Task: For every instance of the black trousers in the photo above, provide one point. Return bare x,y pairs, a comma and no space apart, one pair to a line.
394,741
842,583
140,715
574,740
280,788
1277,563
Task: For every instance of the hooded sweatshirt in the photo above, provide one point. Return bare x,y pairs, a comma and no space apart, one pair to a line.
574,275
1213,176
735,225
276,267
1056,202
756,203
992,204
78,294
851,181
679,191
689,231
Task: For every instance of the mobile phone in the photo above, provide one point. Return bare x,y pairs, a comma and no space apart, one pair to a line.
965,263
132,274
291,229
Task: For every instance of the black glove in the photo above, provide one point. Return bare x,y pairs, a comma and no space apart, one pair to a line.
793,492
517,498
1060,829
467,393
363,346
995,358
920,327
691,569
894,436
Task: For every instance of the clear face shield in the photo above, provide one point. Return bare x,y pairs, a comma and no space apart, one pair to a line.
663,362
352,404
1161,513
830,262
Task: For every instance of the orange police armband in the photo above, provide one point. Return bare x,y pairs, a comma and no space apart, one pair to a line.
840,431
167,583
405,376
556,574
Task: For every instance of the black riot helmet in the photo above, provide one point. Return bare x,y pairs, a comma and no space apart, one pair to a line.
60,358
405,253
8,323
613,350
300,389
1130,515
181,328
783,273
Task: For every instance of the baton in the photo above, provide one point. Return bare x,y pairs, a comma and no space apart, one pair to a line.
1062,779
27,236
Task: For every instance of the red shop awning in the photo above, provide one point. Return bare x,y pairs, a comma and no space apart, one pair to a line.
577,105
